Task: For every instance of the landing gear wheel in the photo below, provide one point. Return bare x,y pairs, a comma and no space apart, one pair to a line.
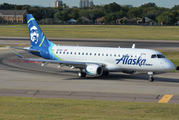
105,73
151,79
81,74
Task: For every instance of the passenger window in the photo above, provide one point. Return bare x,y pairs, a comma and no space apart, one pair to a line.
154,56
114,55
103,54
71,53
118,55
67,52
79,53
75,53
90,53
86,53
56,52
110,54
99,54
106,54
82,53
95,54
63,52
60,52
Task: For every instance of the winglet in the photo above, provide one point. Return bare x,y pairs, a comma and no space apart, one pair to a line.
20,56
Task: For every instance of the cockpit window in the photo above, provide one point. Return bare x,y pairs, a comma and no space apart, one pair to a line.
160,56
154,56
157,56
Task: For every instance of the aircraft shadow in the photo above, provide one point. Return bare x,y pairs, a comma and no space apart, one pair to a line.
127,77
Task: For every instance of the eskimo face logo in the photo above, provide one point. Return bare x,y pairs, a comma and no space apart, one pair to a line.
34,35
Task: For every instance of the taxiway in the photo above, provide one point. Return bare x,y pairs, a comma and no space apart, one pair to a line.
21,78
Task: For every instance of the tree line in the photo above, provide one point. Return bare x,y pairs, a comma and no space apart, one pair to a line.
110,12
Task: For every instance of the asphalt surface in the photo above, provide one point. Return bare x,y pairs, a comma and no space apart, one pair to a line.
23,78
124,43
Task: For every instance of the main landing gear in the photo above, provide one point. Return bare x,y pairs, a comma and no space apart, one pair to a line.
151,79
81,73
105,73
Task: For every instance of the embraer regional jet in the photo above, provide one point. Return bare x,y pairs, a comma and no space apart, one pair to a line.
94,61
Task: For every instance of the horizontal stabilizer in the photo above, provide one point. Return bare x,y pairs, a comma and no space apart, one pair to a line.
26,49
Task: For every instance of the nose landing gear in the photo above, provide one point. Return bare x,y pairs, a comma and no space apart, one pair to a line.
151,79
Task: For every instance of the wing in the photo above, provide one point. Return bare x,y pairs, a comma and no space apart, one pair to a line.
72,64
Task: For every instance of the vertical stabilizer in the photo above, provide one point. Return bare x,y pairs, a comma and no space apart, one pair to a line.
37,37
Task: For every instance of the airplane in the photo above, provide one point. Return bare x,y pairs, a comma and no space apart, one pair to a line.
93,61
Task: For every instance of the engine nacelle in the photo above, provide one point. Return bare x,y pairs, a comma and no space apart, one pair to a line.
94,70
129,72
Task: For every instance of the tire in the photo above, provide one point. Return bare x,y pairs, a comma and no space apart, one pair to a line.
151,79
105,73
81,74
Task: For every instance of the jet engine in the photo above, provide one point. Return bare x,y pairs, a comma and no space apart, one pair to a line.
94,70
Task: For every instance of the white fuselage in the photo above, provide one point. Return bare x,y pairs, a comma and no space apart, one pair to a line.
115,59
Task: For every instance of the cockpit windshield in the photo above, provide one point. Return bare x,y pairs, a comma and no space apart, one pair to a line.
154,56
160,56
157,56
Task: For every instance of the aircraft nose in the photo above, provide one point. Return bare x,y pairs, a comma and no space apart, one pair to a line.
169,65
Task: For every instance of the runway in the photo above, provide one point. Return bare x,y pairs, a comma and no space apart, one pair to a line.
21,78
164,45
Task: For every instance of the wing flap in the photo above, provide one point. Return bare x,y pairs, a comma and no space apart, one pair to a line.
68,63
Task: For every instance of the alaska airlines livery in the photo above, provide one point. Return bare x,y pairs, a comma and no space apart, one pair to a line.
95,61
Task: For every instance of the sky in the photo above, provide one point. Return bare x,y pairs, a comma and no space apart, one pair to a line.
135,3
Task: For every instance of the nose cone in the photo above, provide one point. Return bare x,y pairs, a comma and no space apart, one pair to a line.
169,65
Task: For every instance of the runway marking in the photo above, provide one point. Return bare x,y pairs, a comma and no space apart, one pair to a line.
165,99
21,44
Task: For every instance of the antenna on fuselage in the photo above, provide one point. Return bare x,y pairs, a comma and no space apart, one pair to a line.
133,46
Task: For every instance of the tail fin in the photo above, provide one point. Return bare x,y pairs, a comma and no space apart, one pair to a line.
37,37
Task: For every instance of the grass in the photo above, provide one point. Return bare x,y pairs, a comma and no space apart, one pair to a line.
19,108
97,31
